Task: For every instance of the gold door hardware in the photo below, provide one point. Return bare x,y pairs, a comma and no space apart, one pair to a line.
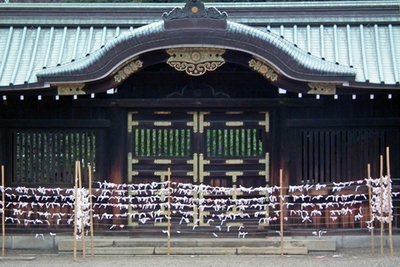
202,123
265,173
235,193
162,112
195,212
162,123
163,196
131,172
265,122
162,161
234,112
201,212
195,163
234,161
162,175
234,176
131,122
195,122
265,222
202,162
234,123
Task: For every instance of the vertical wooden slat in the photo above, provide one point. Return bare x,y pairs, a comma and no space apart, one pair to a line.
243,142
188,142
328,156
310,151
248,142
136,142
57,157
334,151
177,143
148,142
304,155
344,159
225,138
208,142
170,142
173,142
182,138
322,155
237,142
143,146
220,143
66,156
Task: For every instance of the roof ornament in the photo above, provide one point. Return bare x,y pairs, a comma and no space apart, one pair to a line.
195,61
195,10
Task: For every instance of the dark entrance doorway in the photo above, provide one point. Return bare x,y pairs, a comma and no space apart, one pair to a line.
219,148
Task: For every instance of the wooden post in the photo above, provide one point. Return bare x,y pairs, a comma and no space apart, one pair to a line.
169,212
75,207
91,212
370,210
389,197
381,200
3,215
82,212
281,208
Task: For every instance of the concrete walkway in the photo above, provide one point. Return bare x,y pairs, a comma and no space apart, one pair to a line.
345,258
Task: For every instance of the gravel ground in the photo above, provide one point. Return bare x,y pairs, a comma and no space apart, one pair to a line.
353,258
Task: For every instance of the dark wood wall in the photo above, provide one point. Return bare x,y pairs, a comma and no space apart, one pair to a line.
319,140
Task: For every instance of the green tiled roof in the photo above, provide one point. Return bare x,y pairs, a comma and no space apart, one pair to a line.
362,36
280,53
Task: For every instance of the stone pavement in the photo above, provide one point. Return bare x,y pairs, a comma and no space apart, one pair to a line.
346,258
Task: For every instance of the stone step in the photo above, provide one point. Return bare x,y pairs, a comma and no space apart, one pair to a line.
199,246
119,251
289,250
196,251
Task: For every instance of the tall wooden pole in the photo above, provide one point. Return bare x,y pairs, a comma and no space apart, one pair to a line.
75,207
82,211
91,212
3,224
370,210
281,207
381,200
389,199
169,211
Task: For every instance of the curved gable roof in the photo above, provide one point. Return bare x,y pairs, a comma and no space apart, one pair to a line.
288,59
360,49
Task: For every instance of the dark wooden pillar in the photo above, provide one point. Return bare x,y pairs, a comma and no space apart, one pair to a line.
117,150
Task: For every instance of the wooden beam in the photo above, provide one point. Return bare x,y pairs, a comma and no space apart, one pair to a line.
200,103
56,123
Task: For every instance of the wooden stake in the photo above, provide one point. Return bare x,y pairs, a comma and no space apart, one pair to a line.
281,208
381,199
3,215
91,212
75,208
83,217
169,211
370,210
389,197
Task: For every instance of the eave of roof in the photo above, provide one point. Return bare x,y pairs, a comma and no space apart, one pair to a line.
333,27
261,13
281,54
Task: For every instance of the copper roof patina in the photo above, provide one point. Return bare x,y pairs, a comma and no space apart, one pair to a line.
352,43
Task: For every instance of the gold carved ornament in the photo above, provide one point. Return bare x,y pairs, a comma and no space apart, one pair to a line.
322,88
128,70
195,61
71,89
265,70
